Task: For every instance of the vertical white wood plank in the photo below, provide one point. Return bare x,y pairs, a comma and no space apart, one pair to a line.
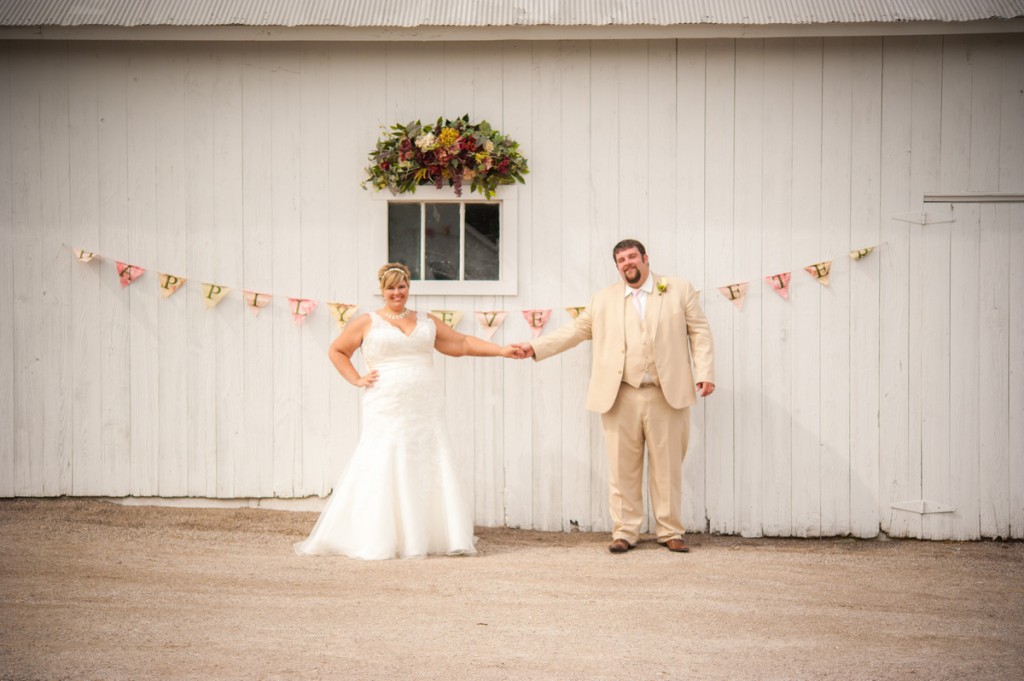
83,96
993,390
580,452
690,162
488,378
517,111
315,336
749,200
835,198
719,245
776,343
929,280
986,61
806,296
954,173
964,368
896,483
54,340
7,269
114,302
863,282
545,280
143,99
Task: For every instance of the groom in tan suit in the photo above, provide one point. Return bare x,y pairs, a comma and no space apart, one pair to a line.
645,330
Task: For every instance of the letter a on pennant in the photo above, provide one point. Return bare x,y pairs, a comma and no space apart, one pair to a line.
255,301
301,308
536,319
214,293
780,282
489,322
128,273
737,293
341,313
449,317
169,283
820,271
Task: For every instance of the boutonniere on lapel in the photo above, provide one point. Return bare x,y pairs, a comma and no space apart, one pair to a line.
662,285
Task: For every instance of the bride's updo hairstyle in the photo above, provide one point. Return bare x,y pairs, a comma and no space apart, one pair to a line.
392,274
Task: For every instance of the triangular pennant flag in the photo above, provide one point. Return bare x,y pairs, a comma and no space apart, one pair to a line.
341,313
255,301
128,273
861,252
449,317
820,271
214,293
85,256
536,319
169,283
489,321
780,282
301,308
737,293
574,312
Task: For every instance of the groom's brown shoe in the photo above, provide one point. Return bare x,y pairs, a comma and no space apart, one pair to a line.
619,546
675,544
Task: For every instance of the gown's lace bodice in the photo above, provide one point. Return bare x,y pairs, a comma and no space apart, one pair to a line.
386,346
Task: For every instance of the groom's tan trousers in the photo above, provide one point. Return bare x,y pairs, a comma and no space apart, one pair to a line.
641,415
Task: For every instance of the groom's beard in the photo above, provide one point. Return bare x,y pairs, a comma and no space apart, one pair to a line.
632,278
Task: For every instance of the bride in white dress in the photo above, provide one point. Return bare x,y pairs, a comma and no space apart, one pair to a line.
399,495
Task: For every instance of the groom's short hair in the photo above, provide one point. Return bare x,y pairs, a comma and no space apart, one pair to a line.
627,244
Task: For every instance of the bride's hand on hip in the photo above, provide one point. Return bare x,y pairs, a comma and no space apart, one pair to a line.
368,380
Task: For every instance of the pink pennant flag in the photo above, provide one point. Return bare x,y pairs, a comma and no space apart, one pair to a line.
489,321
301,308
213,294
780,282
128,273
169,283
449,317
341,313
537,319
255,301
861,252
574,312
820,271
85,256
737,293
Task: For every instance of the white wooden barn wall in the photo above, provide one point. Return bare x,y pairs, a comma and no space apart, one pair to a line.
240,164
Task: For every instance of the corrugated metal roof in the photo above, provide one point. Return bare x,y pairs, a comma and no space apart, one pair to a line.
411,13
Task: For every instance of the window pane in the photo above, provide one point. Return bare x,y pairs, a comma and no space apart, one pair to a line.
404,236
441,245
482,241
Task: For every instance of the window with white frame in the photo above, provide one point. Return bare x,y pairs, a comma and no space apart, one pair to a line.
453,245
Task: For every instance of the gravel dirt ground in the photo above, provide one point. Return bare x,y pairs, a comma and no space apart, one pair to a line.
94,590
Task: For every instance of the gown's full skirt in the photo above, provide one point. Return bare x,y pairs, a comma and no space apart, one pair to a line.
399,494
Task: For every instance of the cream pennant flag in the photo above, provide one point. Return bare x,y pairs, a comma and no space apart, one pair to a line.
341,313
449,317
780,282
737,293
489,321
214,293
127,273
301,308
537,319
255,301
861,252
169,283
85,256
820,271
574,312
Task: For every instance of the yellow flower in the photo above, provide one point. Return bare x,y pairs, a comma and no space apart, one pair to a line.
662,285
447,137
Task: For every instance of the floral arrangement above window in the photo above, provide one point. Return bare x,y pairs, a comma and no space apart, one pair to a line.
456,152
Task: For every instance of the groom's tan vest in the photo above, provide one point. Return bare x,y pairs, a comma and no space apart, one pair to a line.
639,348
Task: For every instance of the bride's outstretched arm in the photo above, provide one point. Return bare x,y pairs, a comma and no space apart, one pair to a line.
345,345
454,344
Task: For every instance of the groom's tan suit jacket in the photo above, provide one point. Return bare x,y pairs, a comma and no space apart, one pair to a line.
673,319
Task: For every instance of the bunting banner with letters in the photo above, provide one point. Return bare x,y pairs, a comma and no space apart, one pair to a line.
780,282
536,319
489,321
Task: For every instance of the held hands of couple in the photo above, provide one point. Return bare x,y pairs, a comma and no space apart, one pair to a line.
514,351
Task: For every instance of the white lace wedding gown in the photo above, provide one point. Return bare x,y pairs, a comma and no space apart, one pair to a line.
399,495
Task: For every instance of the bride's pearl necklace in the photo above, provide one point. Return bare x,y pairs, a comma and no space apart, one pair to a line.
401,315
